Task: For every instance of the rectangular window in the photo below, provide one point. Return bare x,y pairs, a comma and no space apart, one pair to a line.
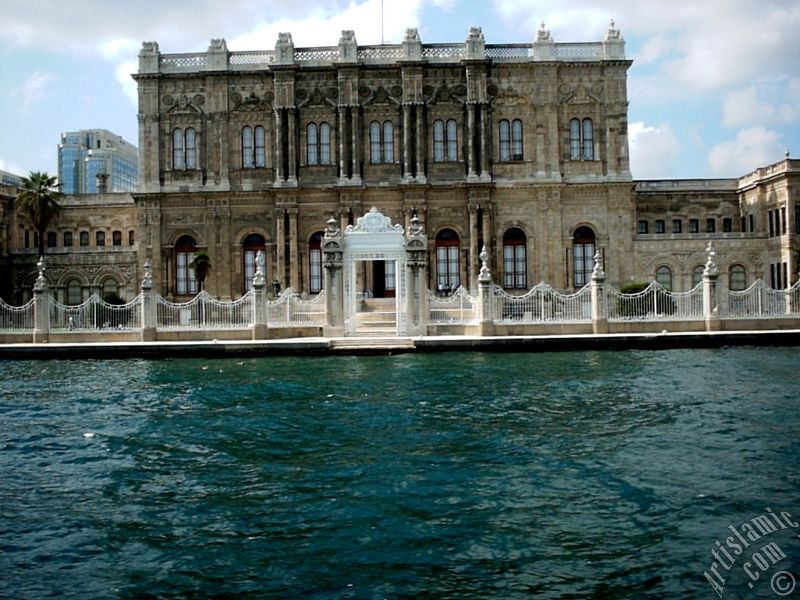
771,223
389,277
694,225
772,282
660,226
100,238
785,275
315,270
130,238
51,239
752,223
642,227
711,225
727,225
797,219
84,238
677,226
116,238
68,239
744,225
784,218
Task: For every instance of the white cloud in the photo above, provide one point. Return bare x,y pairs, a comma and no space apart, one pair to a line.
654,150
32,90
753,147
751,106
123,72
12,167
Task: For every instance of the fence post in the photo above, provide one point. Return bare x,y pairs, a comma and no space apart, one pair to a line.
599,315
485,308
41,306
148,307
259,299
332,248
416,282
710,276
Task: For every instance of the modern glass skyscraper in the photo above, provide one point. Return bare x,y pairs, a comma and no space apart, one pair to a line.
85,154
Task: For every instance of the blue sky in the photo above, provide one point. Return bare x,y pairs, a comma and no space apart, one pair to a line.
714,89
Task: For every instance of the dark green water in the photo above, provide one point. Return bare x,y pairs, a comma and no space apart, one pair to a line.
571,475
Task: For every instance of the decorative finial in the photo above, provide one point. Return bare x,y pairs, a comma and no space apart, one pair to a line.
711,266
147,280
597,271
485,274
333,228
41,283
258,277
543,35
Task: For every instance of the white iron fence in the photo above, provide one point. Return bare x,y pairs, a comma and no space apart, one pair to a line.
291,310
205,312
655,303
95,313
542,304
759,301
459,308
16,318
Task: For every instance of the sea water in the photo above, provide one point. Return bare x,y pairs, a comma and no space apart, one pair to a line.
564,475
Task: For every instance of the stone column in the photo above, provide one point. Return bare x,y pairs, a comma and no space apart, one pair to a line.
291,147
334,283
259,299
599,313
710,276
473,247
355,152
485,297
280,248
420,145
342,141
149,318
279,174
416,300
41,306
294,272
471,174
485,150
406,142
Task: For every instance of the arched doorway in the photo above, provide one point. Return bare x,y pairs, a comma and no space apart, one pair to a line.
583,248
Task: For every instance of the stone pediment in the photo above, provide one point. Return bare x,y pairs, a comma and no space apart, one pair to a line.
252,101
317,97
183,104
444,94
581,94
374,222
382,96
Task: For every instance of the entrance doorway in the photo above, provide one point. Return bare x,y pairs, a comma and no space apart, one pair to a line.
384,283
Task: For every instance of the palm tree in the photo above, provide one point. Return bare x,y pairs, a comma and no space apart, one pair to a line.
37,201
201,264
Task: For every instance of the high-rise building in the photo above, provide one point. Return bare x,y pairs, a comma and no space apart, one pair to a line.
84,155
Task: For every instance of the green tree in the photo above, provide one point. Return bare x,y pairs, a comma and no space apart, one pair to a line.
37,202
201,265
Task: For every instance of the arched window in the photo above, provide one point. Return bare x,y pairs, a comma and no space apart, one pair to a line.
312,144
185,282
445,141
587,138
381,142
191,149
510,140
260,145
315,281
514,259
184,149
74,292
581,140
116,238
178,153
110,289
248,156
664,277
251,246
697,275
318,144
100,238
447,267
583,247
737,278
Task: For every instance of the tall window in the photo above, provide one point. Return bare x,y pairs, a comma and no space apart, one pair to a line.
389,275
184,149
100,238
84,238
52,239
445,141
583,246
73,292
447,268
67,239
581,139
737,278
381,142
664,277
116,238
510,140
110,288
315,281
677,226
185,282
253,148
251,246
318,144
514,259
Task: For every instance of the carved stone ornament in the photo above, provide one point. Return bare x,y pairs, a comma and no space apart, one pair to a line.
147,280
332,231
711,266
374,222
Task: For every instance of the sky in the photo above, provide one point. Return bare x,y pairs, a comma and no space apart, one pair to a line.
714,89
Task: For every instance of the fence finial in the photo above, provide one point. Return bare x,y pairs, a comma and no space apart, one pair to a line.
711,266
597,271
485,274
147,280
41,281
258,278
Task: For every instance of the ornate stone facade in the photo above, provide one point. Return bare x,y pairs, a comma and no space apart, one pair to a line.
521,149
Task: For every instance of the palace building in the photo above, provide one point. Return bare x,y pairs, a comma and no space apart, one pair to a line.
518,148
